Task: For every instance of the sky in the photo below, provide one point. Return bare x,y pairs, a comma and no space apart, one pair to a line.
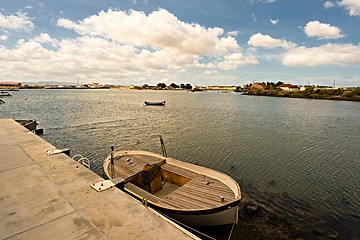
202,42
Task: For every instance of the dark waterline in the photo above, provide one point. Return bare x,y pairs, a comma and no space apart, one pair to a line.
299,157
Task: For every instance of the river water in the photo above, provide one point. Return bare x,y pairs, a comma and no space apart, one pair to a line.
298,157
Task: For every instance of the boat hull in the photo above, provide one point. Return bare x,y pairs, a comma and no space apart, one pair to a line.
221,218
29,124
154,103
214,217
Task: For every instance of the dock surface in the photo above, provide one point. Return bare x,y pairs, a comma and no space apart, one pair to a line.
49,197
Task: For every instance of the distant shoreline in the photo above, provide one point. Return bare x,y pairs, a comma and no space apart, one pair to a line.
341,95
350,95
320,98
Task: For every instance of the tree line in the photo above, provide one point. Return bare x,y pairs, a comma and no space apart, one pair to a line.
160,86
310,92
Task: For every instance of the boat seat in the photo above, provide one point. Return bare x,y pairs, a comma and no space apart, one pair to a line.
151,178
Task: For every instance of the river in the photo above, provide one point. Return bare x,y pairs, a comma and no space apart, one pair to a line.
299,157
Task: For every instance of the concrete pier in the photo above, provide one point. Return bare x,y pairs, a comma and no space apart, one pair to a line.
49,197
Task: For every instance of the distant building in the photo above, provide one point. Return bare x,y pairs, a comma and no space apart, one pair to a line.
289,87
256,86
303,88
93,85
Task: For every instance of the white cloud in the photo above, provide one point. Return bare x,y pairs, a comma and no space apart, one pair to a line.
260,40
209,72
85,55
158,29
3,37
226,45
66,23
233,61
45,38
262,1
117,45
274,21
322,30
353,6
329,4
179,42
328,54
233,33
16,22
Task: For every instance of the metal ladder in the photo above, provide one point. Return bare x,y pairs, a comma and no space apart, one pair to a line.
83,160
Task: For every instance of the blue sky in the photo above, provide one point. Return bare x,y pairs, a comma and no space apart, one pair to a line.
209,42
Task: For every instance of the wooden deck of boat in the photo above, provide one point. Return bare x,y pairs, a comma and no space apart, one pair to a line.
201,192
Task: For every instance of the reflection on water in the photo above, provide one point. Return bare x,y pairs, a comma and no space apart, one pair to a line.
300,157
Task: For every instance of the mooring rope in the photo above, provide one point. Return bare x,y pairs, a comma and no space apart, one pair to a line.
184,225
232,228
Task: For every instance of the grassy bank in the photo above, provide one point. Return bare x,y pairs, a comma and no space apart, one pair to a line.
332,94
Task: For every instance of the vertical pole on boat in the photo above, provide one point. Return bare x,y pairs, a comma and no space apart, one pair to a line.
112,162
162,146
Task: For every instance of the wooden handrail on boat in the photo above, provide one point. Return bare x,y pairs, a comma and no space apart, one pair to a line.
112,165
112,172
163,146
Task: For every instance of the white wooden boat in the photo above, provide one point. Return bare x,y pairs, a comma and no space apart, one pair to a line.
191,194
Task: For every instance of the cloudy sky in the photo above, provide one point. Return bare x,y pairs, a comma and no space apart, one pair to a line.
206,42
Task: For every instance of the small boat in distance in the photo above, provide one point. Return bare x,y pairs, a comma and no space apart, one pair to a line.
11,89
147,103
5,94
1,101
188,193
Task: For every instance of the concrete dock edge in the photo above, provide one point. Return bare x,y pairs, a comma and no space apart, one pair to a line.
49,197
